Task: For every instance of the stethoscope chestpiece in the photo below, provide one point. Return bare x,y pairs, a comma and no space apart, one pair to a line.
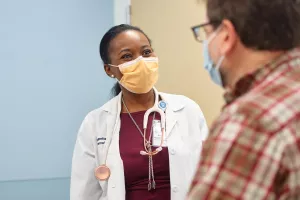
102,172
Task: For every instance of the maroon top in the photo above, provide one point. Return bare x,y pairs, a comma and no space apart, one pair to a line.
136,166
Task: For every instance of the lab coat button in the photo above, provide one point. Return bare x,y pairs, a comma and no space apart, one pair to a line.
113,186
175,189
173,151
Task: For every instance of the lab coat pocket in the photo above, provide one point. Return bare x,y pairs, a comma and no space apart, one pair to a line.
181,143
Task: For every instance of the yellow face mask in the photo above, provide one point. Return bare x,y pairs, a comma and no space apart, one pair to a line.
139,75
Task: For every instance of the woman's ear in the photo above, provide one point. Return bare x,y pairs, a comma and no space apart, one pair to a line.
108,71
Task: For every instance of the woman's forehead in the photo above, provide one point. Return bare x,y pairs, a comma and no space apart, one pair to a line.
129,39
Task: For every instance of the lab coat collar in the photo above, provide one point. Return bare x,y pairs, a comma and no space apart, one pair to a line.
114,105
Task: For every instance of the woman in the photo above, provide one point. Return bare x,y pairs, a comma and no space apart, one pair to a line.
115,158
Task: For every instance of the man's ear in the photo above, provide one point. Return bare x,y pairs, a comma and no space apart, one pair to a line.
229,35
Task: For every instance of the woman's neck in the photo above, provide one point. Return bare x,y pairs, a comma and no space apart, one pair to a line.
137,102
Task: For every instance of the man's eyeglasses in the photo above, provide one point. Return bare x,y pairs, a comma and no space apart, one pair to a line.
199,32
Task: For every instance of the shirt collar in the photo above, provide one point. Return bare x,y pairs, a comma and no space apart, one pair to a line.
249,81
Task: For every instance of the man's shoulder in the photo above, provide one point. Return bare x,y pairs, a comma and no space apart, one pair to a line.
269,108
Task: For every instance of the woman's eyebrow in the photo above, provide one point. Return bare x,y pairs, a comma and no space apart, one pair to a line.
124,50
144,46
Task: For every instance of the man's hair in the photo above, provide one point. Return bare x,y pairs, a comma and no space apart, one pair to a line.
261,24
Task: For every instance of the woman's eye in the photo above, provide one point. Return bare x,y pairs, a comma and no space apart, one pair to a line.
147,52
126,56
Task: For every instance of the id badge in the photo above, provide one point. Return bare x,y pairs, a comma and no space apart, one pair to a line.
157,134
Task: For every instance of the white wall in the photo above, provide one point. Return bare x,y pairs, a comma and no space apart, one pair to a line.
121,12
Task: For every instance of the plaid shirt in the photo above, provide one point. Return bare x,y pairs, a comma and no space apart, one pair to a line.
253,150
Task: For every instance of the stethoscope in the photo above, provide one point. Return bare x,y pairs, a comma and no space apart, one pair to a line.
158,107
102,172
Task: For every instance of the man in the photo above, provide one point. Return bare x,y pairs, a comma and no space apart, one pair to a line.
253,150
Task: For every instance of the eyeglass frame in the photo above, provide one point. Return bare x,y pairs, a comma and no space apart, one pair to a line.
201,26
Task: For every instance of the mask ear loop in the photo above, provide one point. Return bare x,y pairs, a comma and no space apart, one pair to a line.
124,65
111,65
220,62
213,35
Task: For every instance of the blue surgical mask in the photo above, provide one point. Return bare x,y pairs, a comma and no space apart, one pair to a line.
209,66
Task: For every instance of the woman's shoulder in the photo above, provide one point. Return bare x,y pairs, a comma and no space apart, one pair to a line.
108,107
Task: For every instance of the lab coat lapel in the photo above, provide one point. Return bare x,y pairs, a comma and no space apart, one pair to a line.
171,116
112,120
113,110
110,126
171,120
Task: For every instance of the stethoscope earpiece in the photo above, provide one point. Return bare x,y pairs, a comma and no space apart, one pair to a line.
158,149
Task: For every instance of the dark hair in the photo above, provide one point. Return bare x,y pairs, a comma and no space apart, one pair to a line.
105,42
261,24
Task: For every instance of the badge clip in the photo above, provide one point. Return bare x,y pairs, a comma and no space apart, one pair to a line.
162,105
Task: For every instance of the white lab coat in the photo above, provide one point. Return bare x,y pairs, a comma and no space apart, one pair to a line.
185,127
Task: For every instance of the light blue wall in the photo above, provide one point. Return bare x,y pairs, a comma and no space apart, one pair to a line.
50,77
49,189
